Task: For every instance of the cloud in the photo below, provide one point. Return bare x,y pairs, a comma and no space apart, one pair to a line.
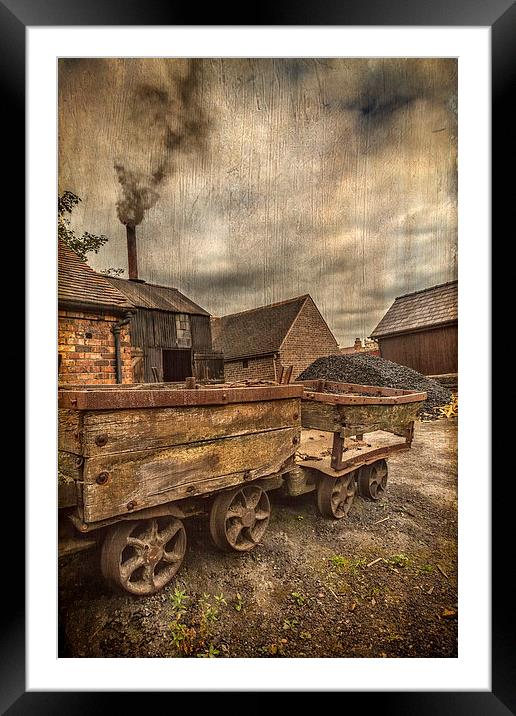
331,177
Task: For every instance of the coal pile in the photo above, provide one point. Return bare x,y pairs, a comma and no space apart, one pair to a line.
372,370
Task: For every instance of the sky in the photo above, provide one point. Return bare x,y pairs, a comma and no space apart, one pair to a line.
252,181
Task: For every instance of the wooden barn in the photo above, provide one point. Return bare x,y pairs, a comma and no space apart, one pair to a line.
93,339
420,330
259,343
171,333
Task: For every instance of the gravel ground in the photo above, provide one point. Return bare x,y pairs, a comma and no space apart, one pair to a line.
373,370
309,590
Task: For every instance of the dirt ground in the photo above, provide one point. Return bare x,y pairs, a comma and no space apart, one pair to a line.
310,590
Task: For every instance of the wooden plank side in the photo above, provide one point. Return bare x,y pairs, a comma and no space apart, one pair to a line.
369,418
147,397
151,477
353,419
69,466
69,426
320,416
113,431
351,399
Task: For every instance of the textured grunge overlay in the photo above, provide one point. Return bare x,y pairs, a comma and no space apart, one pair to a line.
255,180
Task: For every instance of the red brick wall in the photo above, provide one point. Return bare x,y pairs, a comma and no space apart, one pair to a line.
91,360
309,338
258,369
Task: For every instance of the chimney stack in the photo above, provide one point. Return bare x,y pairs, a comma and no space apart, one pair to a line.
358,344
131,252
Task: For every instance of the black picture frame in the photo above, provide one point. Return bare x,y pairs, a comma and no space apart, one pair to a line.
500,16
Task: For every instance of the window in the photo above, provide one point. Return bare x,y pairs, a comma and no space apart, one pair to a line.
245,364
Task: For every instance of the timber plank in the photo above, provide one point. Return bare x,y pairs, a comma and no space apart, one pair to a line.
151,477
112,431
69,426
150,397
69,465
356,419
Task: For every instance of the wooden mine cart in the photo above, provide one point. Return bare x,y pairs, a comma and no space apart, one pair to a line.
136,460
348,433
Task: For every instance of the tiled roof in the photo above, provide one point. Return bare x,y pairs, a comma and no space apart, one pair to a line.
78,283
153,297
260,331
430,307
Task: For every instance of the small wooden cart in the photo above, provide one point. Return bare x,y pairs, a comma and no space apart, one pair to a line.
136,460
348,433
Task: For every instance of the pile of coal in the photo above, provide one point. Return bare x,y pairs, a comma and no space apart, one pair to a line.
373,370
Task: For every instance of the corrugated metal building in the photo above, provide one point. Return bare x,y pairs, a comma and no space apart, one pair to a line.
172,333
420,330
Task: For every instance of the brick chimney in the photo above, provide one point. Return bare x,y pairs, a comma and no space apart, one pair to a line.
358,344
132,257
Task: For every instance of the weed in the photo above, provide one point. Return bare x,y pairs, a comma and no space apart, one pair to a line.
239,602
209,612
305,635
178,600
398,560
290,623
190,639
339,561
184,638
210,653
275,649
298,598
346,564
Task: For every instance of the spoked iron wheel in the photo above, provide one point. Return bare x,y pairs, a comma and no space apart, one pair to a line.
142,557
372,480
335,495
239,518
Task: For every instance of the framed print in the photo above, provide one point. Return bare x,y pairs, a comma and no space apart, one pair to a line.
270,192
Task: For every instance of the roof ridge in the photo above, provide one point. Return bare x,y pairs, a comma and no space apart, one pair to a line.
429,288
145,283
269,305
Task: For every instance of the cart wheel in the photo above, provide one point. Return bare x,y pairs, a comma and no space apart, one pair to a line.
372,480
142,557
335,495
239,518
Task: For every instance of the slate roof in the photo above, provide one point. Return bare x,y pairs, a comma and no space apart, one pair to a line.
428,308
259,331
78,284
154,297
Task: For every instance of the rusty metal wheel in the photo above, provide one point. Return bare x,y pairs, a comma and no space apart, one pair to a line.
142,557
239,518
372,480
335,495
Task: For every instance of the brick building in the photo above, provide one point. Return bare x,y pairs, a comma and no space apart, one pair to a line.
420,330
92,319
257,343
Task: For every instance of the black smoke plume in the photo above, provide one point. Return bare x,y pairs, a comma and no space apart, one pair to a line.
161,122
